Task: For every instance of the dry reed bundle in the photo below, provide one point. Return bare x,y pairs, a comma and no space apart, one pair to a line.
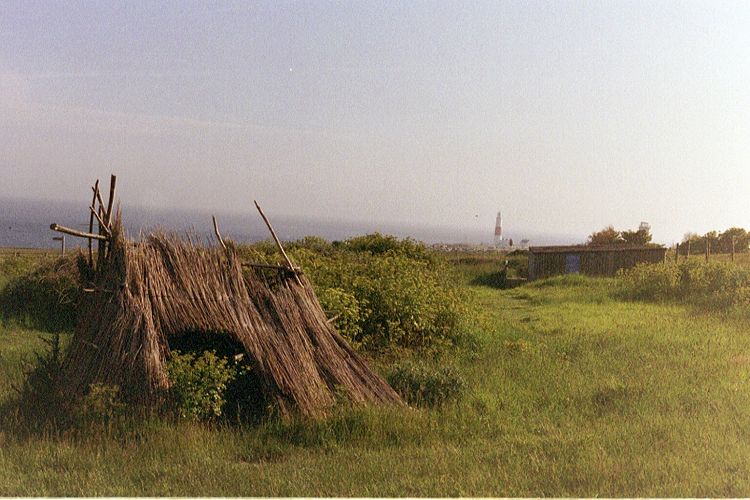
142,294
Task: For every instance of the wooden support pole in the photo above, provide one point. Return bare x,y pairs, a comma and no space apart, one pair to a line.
91,223
687,255
98,195
106,217
278,243
217,233
111,202
102,224
73,232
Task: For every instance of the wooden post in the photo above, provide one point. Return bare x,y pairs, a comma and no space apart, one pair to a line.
687,255
732,248
292,268
104,247
708,247
61,239
91,223
676,253
112,185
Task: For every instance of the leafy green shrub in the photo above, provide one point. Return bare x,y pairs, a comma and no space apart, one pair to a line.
378,244
382,291
44,298
344,309
199,383
423,385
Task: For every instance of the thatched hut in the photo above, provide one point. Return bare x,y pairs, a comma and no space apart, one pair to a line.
141,295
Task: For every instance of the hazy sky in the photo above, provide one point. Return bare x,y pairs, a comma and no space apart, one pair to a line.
567,116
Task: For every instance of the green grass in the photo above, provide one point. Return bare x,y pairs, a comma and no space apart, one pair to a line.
571,392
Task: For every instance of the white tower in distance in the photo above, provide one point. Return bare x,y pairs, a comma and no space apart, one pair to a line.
498,229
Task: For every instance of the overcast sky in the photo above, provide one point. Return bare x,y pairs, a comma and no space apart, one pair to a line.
567,116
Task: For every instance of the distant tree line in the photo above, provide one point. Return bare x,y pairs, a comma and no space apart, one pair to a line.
611,236
720,242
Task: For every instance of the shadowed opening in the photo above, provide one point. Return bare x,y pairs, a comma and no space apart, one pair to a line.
244,396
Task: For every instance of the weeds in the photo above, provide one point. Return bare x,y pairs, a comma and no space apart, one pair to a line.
424,385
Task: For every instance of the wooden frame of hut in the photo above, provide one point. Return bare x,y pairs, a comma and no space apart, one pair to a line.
590,260
141,294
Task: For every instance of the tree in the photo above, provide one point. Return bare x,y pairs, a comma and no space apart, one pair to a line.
741,240
639,237
607,236
695,242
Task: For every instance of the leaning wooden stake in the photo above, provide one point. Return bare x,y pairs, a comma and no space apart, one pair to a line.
278,244
107,216
102,224
91,224
218,234
73,232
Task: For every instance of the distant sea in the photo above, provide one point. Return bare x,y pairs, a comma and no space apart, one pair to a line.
25,224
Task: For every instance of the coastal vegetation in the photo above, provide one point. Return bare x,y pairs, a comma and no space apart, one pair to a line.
570,386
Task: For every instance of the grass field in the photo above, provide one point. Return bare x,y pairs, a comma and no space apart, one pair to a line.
571,392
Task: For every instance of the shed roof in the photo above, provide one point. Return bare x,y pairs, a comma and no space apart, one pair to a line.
601,248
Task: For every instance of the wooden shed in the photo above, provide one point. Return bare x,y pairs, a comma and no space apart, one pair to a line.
589,260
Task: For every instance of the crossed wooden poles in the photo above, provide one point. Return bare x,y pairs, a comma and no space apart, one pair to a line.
103,217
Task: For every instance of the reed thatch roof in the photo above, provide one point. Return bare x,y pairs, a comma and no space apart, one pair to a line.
139,295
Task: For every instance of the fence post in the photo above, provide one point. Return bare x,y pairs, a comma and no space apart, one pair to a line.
61,239
732,248
687,255
677,253
708,247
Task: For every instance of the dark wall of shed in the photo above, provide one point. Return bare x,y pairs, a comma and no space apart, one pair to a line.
602,263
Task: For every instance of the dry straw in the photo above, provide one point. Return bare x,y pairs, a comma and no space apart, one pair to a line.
142,294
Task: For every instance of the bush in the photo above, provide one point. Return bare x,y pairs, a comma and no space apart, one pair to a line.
713,284
378,244
382,291
651,282
41,401
423,385
101,404
44,298
344,310
199,382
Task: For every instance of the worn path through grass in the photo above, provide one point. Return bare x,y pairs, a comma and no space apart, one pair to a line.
570,393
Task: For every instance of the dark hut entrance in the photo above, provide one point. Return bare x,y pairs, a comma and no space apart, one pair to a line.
244,397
